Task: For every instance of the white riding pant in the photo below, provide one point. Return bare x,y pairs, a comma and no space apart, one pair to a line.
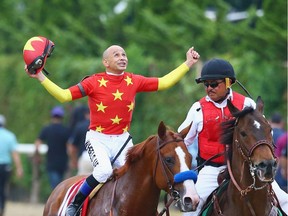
102,149
207,182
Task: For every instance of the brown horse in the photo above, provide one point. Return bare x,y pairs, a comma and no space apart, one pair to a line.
251,165
134,189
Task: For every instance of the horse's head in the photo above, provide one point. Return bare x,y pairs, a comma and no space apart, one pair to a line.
253,142
173,159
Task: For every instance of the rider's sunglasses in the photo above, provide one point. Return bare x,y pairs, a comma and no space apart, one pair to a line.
213,84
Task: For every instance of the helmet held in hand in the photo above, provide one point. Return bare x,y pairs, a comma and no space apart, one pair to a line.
36,51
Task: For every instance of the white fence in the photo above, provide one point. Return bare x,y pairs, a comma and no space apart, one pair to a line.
29,148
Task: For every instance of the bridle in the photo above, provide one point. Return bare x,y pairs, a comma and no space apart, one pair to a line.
246,155
166,171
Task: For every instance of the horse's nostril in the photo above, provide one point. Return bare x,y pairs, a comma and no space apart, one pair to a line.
187,201
262,165
267,164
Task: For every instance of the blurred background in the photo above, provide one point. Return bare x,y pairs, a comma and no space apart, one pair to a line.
251,34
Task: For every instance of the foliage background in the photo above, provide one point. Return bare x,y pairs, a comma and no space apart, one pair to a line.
156,36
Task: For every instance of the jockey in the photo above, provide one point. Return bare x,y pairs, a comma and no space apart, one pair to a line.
206,115
111,99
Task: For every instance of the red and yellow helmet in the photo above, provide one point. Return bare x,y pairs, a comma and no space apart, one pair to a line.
35,52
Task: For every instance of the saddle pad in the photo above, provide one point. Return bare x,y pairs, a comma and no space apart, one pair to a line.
71,192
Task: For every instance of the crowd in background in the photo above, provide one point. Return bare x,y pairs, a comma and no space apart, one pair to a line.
281,144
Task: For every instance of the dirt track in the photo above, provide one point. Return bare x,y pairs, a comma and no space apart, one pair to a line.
28,209
23,209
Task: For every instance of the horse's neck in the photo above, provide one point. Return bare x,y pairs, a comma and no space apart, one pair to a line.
141,183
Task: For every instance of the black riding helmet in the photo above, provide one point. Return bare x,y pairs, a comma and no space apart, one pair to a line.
216,69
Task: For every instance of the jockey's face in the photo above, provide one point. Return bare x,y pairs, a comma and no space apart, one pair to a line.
216,89
115,59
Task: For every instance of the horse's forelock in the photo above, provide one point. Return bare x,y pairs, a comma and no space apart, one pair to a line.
243,112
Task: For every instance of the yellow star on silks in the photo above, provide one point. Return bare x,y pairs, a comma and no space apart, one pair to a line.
102,82
128,81
116,120
99,129
131,106
125,129
117,95
101,107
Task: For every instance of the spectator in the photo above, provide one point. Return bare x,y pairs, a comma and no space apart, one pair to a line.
281,144
281,175
79,158
77,115
277,125
8,152
55,135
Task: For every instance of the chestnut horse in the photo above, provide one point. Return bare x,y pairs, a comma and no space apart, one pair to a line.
251,165
134,189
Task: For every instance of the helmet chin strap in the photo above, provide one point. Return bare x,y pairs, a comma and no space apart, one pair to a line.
227,82
45,71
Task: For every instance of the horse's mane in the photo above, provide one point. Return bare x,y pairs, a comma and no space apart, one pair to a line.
133,155
229,126
136,152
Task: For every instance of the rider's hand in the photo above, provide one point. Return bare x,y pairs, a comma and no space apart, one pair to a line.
192,57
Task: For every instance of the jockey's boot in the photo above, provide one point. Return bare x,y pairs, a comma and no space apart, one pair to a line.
74,207
88,185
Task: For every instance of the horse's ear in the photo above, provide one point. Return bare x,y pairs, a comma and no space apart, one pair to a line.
231,107
184,132
162,130
260,104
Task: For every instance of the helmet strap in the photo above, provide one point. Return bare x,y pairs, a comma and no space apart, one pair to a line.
45,71
227,82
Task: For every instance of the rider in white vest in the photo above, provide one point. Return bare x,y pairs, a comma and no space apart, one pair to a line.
206,116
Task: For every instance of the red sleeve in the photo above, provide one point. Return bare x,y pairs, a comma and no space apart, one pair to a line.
75,92
146,84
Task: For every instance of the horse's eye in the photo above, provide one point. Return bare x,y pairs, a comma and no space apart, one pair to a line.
169,161
243,133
